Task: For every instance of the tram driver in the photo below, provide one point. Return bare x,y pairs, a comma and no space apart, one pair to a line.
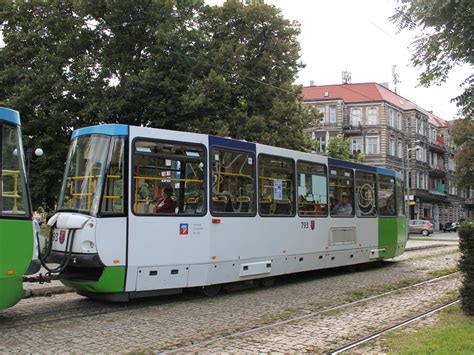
166,204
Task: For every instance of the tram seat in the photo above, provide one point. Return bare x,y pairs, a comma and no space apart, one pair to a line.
283,207
265,205
191,205
219,203
242,203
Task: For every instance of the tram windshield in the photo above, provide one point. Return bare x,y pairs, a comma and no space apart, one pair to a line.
94,176
14,200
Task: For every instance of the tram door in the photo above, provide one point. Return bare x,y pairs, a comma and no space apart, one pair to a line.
168,231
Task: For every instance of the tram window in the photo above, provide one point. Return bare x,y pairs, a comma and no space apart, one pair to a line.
365,194
312,189
13,197
168,178
400,198
341,188
233,182
276,185
112,199
386,195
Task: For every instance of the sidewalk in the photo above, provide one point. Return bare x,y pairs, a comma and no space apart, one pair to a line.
56,287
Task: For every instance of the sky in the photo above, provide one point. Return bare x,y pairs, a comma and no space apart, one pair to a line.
356,35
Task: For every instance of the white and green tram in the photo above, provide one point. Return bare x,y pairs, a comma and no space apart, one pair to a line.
236,211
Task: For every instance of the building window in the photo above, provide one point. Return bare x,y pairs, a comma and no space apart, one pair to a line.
372,118
399,121
390,118
322,111
400,149
356,145
320,144
332,114
373,145
355,116
391,146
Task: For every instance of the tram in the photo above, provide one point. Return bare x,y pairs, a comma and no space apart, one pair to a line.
17,243
147,211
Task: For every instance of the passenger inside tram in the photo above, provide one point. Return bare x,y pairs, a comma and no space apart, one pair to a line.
166,204
344,207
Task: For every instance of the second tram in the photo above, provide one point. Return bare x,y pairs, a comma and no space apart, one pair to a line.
16,227
148,211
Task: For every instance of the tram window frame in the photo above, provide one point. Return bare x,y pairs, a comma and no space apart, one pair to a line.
293,192
170,142
232,213
330,178
400,197
380,209
126,170
374,191
298,180
21,165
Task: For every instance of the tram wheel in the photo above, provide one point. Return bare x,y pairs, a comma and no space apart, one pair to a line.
268,281
211,291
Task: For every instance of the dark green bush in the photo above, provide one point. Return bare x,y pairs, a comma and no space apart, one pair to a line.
466,265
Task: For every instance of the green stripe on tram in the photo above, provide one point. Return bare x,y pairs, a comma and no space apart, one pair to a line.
16,250
111,280
392,236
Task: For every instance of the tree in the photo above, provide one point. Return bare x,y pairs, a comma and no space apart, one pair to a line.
463,136
249,92
446,41
339,147
162,63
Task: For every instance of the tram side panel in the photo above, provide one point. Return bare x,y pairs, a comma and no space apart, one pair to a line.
16,249
163,250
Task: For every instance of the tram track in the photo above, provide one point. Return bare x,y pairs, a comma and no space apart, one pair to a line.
321,312
401,324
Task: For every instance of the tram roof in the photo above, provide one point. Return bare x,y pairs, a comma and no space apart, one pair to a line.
10,116
105,129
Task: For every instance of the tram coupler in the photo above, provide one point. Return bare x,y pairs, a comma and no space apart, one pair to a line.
42,279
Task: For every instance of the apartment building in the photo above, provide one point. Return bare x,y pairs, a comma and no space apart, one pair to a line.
395,133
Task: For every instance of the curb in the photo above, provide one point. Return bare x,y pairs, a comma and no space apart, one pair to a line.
432,246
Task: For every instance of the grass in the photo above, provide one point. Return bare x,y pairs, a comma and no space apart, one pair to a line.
451,334
444,272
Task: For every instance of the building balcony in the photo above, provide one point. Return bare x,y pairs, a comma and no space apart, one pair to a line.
436,171
438,193
352,129
436,147
468,201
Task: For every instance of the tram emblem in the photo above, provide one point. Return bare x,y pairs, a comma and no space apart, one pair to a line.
183,229
62,236
313,224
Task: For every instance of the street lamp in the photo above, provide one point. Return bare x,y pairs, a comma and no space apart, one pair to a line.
29,158
407,175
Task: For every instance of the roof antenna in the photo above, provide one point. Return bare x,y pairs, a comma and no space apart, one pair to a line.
346,76
395,76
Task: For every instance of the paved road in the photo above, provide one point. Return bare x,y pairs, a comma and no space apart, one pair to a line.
71,323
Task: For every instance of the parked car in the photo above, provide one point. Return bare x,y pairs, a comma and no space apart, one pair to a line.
420,226
451,227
